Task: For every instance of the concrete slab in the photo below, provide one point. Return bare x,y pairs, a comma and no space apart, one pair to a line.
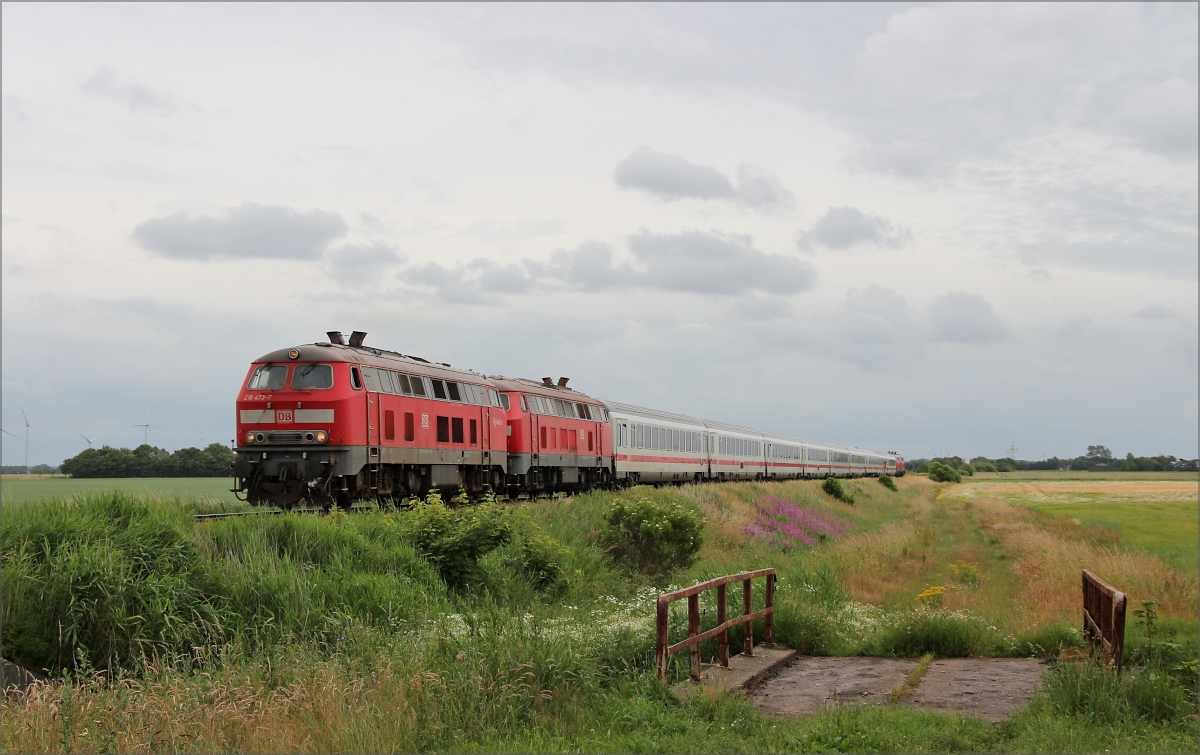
991,688
810,685
744,671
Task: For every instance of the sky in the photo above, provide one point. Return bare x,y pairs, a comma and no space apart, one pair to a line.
936,230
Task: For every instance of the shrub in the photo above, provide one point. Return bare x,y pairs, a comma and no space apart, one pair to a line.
833,486
939,472
887,482
652,537
540,560
454,540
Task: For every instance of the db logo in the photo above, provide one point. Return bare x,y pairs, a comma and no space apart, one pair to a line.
283,416
425,420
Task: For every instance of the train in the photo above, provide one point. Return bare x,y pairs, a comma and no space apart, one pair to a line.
333,422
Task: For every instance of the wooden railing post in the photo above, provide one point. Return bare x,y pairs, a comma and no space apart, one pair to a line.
769,619
693,630
723,637
748,642
661,657
1119,632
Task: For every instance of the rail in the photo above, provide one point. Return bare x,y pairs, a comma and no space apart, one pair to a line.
663,651
1104,617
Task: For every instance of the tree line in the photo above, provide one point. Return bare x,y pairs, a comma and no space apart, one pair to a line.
1096,457
148,461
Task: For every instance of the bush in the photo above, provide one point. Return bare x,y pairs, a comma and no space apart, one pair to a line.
651,537
454,540
540,560
833,486
939,472
887,482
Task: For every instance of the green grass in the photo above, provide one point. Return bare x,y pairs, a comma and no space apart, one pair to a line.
1168,529
305,633
23,488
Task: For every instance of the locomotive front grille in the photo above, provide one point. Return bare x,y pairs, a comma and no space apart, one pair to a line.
285,437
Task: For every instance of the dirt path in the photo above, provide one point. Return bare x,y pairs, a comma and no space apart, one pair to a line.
991,688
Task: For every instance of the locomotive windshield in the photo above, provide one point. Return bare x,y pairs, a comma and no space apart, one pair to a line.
269,377
310,377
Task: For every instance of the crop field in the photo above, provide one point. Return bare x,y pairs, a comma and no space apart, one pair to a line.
20,488
518,627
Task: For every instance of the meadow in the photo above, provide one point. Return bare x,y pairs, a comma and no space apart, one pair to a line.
18,488
304,633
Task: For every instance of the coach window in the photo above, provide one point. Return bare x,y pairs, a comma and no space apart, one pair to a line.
311,377
452,391
443,429
456,425
269,377
410,430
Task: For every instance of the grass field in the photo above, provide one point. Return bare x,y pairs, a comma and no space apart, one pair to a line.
21,488
303,633
1061,475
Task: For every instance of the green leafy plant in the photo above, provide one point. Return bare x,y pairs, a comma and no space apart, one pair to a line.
939,472
454,540
541,560
833,486
887,482
652,537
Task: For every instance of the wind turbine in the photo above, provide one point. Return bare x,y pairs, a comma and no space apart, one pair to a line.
145,428
28,427
90,441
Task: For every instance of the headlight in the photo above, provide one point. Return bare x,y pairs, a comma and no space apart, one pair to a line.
322,436
249,437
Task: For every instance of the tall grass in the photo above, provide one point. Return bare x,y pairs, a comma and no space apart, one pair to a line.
295,633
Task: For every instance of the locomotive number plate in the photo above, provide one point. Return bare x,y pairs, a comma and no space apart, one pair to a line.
282,415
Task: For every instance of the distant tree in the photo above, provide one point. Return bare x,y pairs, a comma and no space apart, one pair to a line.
1099,454
983,464
148,461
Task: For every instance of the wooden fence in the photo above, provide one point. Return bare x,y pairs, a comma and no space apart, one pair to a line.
1104,617
663,652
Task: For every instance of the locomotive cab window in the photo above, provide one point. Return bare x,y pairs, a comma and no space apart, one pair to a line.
452,390
355,378
505,401
269,377
312,377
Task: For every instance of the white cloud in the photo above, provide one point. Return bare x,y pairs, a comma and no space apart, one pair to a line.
842,228
246,231
962,317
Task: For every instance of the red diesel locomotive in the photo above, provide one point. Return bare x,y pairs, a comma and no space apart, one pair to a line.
331,422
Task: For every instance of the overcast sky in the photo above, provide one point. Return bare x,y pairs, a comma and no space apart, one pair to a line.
930,229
